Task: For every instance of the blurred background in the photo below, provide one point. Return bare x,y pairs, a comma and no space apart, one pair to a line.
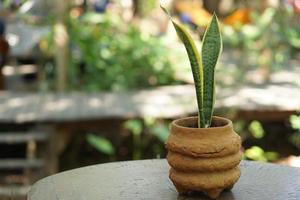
93,81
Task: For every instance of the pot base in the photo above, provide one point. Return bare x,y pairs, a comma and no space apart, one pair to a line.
212,193
210,182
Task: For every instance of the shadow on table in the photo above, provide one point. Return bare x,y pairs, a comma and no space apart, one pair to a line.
226,195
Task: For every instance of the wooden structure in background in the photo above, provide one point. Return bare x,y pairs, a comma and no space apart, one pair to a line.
32,166
160,102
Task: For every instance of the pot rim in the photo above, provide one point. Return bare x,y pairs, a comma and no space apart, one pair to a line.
227,123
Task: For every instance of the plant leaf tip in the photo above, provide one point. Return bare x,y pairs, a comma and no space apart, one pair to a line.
215,16
166,11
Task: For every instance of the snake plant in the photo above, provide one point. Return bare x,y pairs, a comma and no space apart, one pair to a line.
203,66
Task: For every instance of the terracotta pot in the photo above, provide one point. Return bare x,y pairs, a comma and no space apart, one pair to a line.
203,159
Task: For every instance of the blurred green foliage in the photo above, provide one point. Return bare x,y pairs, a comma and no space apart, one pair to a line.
148,134
109,54
135,126
146,138
11,3
295,124
161,131
146,6
254,138
268,42
102,144
258,154
256,129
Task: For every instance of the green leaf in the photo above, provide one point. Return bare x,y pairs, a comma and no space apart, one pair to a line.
211,49
161,132
293,37
101,144
256,129
295,122
93,18
134,125
196,65
258,154
255,153
272,155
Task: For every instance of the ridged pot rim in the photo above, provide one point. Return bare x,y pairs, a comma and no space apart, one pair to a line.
178,123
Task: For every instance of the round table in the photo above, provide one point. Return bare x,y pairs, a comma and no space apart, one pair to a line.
148,179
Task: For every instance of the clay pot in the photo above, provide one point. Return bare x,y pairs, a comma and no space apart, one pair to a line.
203,159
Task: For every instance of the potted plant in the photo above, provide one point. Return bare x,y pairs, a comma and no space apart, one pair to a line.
203,151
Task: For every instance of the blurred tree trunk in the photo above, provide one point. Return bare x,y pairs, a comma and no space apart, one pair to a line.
136,8
61,39
4,50
2,61
85,5
212,6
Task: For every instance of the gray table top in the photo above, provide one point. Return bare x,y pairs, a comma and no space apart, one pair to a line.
148,179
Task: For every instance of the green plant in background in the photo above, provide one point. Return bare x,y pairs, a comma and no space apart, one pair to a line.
148,134
110,54
144,7
258,154
102,144
295,124
10,3
256,129
252,47
203,66
136,128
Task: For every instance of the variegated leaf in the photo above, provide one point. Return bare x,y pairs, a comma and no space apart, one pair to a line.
196,65
211,49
